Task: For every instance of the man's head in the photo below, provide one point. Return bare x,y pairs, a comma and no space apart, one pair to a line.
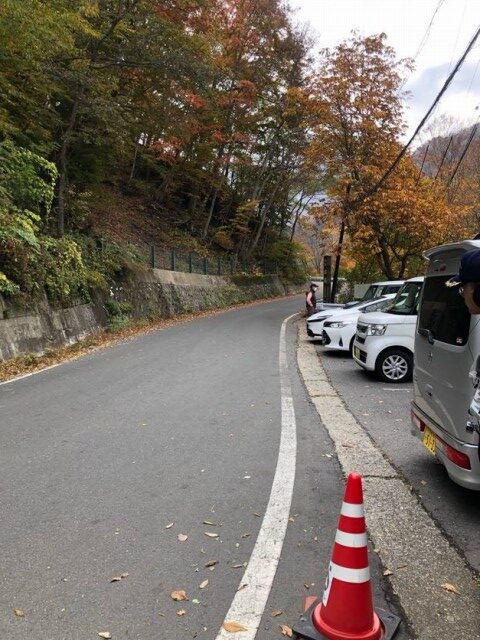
468,280
313,286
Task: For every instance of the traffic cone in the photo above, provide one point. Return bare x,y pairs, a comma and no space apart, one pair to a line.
346,610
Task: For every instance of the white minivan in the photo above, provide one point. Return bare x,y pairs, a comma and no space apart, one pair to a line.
447,342
384,341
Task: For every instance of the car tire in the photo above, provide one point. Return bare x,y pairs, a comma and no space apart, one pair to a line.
350,348
394,366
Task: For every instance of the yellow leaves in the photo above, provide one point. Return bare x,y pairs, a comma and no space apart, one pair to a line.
286,630
106,635
20,613
179,595
451,588
233,627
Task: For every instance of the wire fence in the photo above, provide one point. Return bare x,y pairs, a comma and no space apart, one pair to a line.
175,260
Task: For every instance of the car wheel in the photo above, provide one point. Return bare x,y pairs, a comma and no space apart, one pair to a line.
394,366
350,348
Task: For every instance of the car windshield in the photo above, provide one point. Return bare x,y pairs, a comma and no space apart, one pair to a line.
370,293
352,305
407,299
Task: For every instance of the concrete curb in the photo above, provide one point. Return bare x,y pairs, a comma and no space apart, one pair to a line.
406,538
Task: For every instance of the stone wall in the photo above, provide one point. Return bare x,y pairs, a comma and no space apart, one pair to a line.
151,294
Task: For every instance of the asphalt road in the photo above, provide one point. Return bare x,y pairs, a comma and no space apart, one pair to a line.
180,426
384,411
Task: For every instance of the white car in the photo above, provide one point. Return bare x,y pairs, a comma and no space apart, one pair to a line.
316,321
375,291
339,331
384,342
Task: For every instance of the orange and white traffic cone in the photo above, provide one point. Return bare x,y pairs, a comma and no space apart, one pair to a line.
346,610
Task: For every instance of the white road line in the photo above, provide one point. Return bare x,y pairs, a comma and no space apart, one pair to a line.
33,373
249,603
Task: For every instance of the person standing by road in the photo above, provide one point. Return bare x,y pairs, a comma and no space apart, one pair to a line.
311,299
468,282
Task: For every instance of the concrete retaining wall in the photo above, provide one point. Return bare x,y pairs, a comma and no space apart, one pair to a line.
151,294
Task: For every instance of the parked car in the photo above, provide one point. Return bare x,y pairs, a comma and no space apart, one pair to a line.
446,342
384,341
375,290
316,321
339,331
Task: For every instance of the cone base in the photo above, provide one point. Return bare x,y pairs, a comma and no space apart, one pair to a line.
305,628
374,633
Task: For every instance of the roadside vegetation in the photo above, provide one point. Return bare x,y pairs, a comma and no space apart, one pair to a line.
204,126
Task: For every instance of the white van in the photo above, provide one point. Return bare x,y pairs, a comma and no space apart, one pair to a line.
446,343
384,341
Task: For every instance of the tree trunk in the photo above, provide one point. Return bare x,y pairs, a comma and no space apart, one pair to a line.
337,262
63,161
210,215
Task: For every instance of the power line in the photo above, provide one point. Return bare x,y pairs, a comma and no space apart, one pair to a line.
469,142
426,35
404,150
423,162
443,157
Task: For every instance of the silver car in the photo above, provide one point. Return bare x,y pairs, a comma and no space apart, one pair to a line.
447,341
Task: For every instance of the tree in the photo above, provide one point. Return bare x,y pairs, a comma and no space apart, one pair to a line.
355,111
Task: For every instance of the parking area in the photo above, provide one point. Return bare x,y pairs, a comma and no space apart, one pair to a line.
384,411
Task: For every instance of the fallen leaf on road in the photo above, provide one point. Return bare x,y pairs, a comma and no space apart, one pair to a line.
196,601
246,535
169,526
181,612
105,634
179,595
182,537
211,563
20,613
247,477
237,566
291,519
116,579
257,515
242,586
401,566
211,535
450,588
347,445
388,572
307,586
233,627
274,614
286,631
424,482
125,575
212,524
203,584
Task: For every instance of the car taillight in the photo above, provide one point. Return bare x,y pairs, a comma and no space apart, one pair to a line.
417,421
457,457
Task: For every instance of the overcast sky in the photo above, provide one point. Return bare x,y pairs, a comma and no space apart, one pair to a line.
406,22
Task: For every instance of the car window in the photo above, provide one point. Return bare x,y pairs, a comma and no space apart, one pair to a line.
407,299
377,306
443,312
370,293
392,288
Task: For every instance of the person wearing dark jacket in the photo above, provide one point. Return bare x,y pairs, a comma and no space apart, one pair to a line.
311,299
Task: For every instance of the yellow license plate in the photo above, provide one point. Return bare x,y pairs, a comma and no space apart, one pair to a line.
357,352
429,440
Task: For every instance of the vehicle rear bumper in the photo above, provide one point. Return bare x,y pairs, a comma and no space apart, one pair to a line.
468,478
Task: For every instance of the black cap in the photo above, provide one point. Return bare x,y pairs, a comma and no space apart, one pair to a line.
469,269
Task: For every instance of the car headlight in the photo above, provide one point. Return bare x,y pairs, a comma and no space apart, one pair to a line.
376,329
337,325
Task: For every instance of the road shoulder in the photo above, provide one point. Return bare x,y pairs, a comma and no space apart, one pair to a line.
407,540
